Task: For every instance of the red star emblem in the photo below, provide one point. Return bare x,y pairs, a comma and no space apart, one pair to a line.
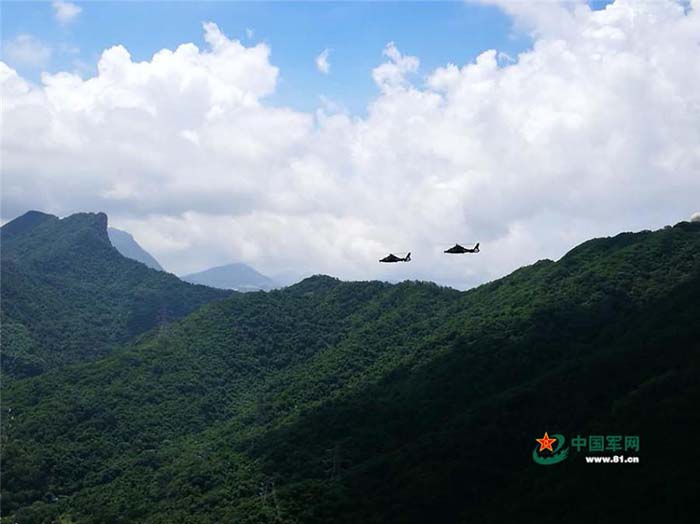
546,442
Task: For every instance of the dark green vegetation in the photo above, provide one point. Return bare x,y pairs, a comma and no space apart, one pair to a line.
368,402
69,296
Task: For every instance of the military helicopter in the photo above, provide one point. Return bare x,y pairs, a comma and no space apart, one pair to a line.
460,250
393,258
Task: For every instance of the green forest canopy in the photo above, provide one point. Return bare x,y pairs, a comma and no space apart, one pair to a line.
351,402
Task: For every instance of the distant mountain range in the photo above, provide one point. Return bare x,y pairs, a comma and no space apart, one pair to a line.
128,247
238,276
69,296
348,402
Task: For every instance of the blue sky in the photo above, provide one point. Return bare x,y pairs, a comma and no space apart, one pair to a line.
355,32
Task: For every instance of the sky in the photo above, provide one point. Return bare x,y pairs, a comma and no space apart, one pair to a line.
316,137
352,33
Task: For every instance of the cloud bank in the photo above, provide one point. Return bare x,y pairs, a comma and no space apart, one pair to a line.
596,129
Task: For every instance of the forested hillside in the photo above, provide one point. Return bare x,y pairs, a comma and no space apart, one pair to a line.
69,296
351,402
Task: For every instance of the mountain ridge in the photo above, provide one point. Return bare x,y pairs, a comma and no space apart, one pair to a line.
328,393
68,294
128,247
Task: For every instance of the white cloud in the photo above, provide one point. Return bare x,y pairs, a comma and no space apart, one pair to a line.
504,57
322,63
545,17
26,51
393,74
695,217
65,12
596,130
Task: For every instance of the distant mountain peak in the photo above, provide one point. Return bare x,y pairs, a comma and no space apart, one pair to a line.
128,247
236,275
316,282
34,233
34,215
26,222
94,222
74,297
693,225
